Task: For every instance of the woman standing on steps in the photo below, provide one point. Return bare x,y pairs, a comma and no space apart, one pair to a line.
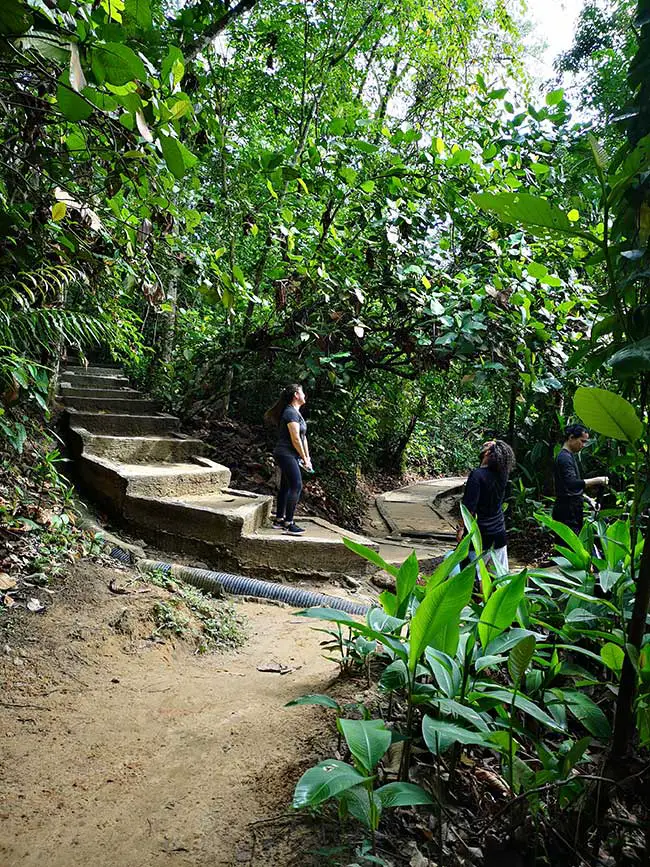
291,452
484,494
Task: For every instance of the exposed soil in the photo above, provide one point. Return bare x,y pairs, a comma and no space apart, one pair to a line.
120,750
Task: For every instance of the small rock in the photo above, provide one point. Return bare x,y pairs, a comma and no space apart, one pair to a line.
115,680
352,583
18,661
7,649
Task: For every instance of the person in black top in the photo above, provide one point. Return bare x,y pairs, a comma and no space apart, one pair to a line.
569,485
291,453
484,493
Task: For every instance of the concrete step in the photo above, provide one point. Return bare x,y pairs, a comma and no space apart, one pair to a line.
219,519
120,405
121,423
110,481
67,390
89,380
318,552
136,449
92,370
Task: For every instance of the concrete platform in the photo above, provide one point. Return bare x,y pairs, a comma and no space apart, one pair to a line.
412,511
112,481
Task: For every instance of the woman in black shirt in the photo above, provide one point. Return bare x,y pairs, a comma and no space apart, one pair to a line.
291,452
569,484
484,493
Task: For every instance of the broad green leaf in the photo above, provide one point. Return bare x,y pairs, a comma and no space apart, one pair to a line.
117,63
437,620
454,708
500,696
137,15
382,622
315,698
403,795
15,18
371,556
555,97
613,656
444,569
71,105
367,740
178,158
528,210
356,802
567,535
406,580
394,676
501,608
607,413
586,711
439,735
520,657
335,616
324,781
635,162
632,359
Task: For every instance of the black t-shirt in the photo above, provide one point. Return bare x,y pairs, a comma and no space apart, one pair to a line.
289,414
567,476
484,493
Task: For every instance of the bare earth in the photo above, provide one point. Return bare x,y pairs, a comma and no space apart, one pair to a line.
120,751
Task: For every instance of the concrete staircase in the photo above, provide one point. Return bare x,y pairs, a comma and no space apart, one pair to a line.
160,484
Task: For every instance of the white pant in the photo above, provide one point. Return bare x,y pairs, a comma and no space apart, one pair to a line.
498,555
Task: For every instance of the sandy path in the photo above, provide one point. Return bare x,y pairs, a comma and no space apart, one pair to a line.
168,765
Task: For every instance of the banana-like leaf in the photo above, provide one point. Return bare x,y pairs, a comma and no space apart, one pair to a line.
357,802
403,795
406,580
315,698
520,657
371,556
501,608
567,535
367,740
439,735
325,780
437,620
607,413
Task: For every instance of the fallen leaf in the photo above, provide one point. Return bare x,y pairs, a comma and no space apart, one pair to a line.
6,581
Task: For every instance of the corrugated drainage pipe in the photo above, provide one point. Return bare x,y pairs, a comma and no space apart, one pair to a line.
240,585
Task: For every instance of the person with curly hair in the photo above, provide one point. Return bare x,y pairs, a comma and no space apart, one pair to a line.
485,491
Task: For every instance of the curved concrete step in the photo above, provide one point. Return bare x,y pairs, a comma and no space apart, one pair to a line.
122,423
93,370
119,405
136,449
89,380
216,518
66,390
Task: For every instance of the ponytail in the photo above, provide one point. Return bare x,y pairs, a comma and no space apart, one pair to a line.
273,415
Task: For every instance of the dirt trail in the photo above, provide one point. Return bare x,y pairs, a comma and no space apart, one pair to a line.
119,751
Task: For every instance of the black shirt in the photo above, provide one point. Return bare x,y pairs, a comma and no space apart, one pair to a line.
289,414
567,476
484,493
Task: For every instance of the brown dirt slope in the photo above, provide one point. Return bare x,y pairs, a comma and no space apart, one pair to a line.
120,751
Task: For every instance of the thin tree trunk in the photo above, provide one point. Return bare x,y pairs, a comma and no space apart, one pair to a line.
169,320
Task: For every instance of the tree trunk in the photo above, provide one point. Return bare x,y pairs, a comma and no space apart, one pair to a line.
169,320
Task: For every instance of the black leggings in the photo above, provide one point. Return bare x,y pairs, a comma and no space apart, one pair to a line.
569,510
290,485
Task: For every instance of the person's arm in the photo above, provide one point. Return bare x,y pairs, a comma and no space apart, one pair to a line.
305,446
596,482
294,432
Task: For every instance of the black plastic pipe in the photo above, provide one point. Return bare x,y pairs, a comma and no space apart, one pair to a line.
240,585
